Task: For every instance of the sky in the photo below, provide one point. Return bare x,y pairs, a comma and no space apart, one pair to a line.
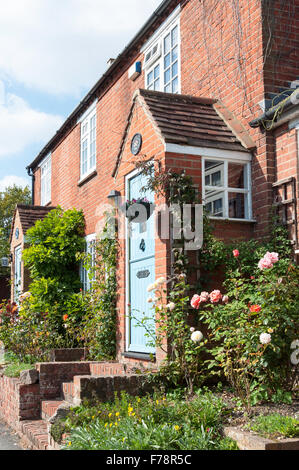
52,52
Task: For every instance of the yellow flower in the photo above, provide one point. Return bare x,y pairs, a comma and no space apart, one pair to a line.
92,417
157,401
69,443
110,414
124,439
117,414
116,423
110,425
130,409
177,428
270,330
106,424
138,400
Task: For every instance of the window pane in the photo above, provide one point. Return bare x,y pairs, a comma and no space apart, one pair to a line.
174,70
174,54
150,77
167,88
214,173
167,44
157,71
214,201
167,61
175,85
237,175
157,85
174,36
237,206
167,76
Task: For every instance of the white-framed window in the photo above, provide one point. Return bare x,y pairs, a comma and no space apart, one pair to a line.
88,158
227,188
162,62
45,169
87,277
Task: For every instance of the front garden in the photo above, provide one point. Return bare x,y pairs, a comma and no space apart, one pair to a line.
242,335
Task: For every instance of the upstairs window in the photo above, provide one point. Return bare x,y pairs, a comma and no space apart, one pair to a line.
226,189
162,61
88,276
88,143
45,169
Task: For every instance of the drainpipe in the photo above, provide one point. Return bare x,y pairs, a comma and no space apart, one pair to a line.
31,174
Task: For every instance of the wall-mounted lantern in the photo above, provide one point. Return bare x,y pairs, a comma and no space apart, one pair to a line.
113,197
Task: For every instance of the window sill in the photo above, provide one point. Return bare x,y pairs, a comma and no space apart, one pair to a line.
140,356
87,177
226,219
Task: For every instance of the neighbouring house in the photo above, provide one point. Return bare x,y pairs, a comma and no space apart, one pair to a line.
25,216
205,86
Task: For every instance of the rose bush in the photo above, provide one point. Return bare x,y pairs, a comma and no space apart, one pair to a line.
252,329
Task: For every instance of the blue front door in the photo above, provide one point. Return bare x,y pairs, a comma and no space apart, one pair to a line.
141,270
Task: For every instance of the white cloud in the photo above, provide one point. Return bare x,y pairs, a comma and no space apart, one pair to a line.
10,180
21,126
62,46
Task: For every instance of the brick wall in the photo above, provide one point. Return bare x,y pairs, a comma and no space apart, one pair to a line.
18,402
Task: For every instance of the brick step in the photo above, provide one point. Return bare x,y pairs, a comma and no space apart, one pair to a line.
68,391
49,408
35,434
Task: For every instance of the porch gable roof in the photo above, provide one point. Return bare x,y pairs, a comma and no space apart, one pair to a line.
189,121
29,215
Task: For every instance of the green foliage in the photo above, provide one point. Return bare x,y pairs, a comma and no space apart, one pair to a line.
148,423
54,243
99,323
9,198
256,371
52,261
215,254
13,370
275,425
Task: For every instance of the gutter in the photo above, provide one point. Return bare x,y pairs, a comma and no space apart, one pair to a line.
273,114
31,174
158,13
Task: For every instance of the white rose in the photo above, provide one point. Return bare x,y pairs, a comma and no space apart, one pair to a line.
197,336
265,338
171,306
150,287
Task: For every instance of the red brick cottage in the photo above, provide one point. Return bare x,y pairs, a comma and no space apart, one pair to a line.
205,86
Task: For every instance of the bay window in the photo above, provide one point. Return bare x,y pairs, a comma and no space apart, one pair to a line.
226,189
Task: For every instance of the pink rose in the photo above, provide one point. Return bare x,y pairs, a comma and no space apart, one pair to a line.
265,263
268,260
236,253
204,297
225,299
215,296
272,256
195,301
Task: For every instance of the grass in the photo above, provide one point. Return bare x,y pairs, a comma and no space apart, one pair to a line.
14,369
13,365
275,425
153,422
